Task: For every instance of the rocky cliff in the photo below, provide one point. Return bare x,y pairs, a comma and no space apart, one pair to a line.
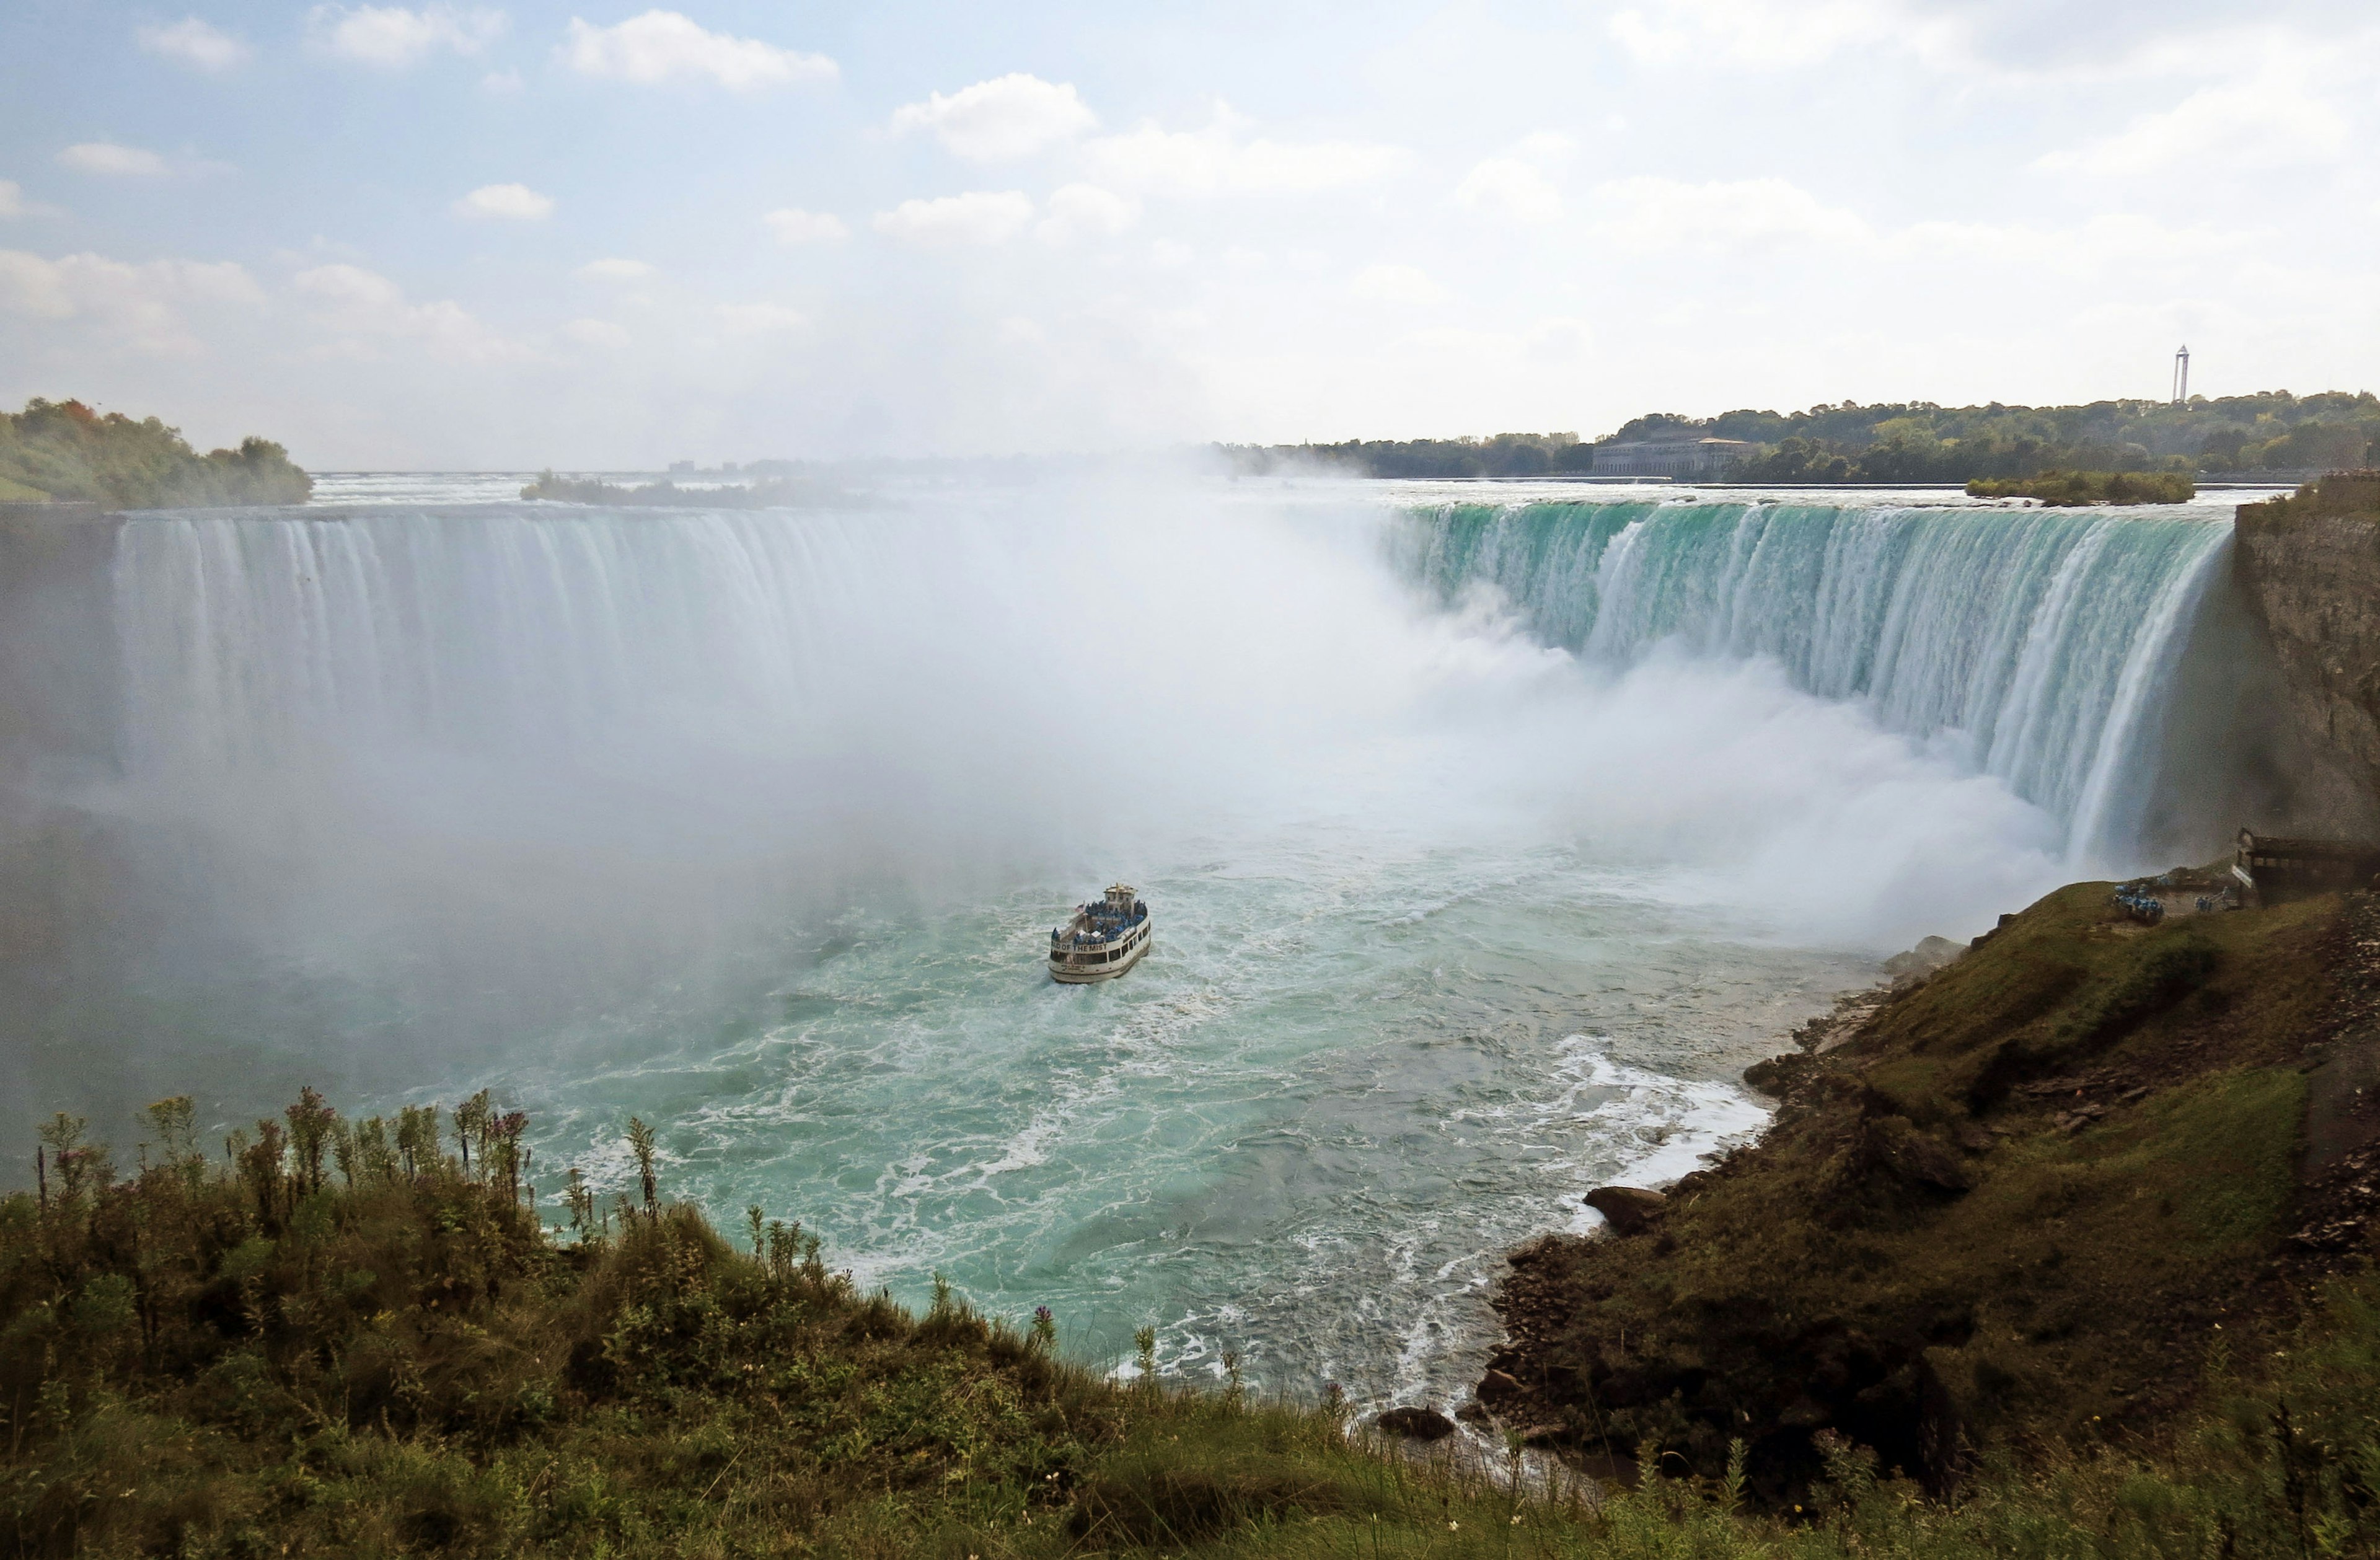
2310,568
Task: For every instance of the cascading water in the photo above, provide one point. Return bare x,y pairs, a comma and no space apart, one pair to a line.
2040,643
753,823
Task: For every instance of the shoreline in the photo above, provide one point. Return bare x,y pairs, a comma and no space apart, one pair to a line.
2014,1199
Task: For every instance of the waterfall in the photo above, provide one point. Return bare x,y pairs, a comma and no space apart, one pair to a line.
2042,646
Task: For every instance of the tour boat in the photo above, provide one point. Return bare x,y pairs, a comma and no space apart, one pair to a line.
1106,938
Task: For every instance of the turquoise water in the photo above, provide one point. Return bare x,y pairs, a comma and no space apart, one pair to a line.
1485,848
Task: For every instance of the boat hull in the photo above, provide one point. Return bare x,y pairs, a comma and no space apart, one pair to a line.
1090,974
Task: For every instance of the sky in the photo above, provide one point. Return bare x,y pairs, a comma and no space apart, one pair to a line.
507,236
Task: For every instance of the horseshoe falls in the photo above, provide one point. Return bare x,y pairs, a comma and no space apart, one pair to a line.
2042,647
1485,846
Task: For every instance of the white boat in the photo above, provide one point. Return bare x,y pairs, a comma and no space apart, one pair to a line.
1106,938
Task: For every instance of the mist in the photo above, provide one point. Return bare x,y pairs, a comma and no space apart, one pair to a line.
400,797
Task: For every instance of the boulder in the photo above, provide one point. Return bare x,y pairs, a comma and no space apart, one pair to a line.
1498,1385
1626,1208
1416,1423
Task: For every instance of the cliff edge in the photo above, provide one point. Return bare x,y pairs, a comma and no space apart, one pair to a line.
2309,565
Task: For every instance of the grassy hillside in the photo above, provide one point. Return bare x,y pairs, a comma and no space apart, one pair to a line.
2027,1205
64,450
361,1339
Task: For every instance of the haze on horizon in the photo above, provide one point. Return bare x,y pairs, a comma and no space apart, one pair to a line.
516,232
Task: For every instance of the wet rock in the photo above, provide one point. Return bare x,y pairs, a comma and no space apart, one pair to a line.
1626,1208
1416,1423
1473,1412
1498,1386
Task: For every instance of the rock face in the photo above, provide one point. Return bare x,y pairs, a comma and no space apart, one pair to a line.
2310,570
1416,1424
1628,1208
1934,952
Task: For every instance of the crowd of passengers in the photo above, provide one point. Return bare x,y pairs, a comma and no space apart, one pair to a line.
1105,922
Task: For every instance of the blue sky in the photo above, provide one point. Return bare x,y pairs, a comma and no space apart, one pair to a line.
510,235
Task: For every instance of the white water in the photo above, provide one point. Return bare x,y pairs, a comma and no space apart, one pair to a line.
753,823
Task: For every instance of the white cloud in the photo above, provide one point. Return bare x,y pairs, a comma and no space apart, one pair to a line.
194,43
794,225
1012,116
596,332
2267,122
761,319
139,305
361,308
612,270
111,161
1662,213
1221,160
1396,284
512,202
1518,183
980,216
665,45
12,198
393,37
504,83
1085,210
1559,339
1780,34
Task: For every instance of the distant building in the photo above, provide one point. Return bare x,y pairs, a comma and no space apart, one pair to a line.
1677,459
681,469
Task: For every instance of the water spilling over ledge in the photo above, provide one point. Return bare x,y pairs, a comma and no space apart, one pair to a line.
2045,647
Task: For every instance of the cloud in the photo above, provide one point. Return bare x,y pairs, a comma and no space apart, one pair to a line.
1782,34
512,202
1661,213
1085,210
596,332
616,270
393,37
761,319
666,46
2267,122
791,226
981,216
12,198
1012,116
111,161
1517,184
139,305
195,44
1221,160
1396,284
362,309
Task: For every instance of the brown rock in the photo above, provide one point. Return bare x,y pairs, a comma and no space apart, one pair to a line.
1627,1209
1416,1423
1495,1386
